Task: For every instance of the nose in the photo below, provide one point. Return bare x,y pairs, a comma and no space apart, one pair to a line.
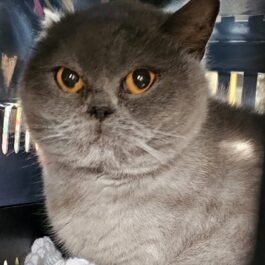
100,112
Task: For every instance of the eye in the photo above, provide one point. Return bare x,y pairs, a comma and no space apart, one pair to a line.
68,80
139,81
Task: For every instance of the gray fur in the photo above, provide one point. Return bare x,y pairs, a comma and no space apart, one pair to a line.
171,177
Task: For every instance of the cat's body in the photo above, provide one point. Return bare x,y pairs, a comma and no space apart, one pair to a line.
200,210
164,177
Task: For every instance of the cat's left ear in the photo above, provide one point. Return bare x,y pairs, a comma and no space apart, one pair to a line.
193,24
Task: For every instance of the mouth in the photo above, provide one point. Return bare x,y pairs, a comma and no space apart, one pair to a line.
102,134
98,133
98,129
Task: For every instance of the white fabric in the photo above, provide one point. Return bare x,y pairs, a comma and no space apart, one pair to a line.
43,252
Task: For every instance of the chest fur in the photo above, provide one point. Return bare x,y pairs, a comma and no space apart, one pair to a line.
153,221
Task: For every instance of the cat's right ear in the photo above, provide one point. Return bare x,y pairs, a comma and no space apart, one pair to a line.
50,17
193,24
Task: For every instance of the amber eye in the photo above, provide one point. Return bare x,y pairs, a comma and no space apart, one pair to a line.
138,81
68,80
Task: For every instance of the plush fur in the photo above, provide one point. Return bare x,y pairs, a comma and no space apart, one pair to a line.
171,176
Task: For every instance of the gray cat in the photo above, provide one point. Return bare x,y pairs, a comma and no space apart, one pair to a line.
140,166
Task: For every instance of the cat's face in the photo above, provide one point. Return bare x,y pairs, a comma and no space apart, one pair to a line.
136,96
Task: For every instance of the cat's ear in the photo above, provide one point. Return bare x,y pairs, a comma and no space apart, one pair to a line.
193,24
54,16
50,17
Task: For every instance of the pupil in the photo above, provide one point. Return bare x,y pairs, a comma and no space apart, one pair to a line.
141,78
69,78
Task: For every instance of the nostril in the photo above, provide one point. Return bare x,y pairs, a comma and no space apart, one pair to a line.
100,113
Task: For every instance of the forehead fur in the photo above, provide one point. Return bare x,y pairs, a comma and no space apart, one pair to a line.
126,12
126,28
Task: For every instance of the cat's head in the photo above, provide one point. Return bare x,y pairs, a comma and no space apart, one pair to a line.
119,86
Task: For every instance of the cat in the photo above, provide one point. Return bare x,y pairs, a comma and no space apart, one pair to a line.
140,166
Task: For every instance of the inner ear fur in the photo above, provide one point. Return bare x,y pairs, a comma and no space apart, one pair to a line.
193,24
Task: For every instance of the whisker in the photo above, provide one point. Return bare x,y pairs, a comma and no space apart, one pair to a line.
169,134
147,133
150,150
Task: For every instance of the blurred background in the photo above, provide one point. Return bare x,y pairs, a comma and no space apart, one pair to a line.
235,60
